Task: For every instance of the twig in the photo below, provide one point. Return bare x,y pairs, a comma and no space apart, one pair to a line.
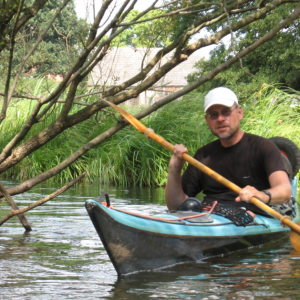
18,212
12,203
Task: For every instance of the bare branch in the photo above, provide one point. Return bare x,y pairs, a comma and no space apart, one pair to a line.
9,68
39,39
21,211
295,15
10,200
193,9
102,137
96,48
30,12
28,184
39,99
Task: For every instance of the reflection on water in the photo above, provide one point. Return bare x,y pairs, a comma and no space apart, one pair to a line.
63,256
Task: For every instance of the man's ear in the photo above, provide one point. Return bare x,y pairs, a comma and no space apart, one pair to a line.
241,112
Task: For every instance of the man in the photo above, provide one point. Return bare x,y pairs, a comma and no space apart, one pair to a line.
252,162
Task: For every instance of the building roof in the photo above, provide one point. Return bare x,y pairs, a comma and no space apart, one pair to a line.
121,64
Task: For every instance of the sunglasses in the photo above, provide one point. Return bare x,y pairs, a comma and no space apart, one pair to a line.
225,112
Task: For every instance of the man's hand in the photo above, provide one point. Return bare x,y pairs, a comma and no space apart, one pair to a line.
174,192
248,192
176,161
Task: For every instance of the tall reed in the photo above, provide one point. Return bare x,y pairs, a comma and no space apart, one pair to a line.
128,158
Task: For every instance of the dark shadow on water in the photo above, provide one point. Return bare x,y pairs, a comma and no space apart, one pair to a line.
256,273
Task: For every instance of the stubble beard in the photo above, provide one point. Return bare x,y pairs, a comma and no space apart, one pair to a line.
227,135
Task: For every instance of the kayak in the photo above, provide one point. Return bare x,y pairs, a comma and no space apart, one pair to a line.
136,242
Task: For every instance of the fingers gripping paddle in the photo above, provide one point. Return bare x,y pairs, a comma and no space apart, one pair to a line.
295,233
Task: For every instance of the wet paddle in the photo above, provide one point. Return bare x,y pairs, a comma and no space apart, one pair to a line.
148,132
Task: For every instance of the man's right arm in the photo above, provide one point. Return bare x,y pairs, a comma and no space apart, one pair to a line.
174,193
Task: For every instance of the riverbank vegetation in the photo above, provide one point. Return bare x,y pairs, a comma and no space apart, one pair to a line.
54,131
128,158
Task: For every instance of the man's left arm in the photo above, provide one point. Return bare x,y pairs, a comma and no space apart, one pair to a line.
280,187
279,191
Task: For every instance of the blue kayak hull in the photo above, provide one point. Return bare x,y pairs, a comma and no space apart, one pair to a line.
137,243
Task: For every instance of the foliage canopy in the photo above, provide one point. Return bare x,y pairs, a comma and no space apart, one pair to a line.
275,62
36,33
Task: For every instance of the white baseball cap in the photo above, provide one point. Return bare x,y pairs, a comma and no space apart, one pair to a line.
220,95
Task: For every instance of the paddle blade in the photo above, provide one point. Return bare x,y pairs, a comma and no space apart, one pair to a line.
295,239
131,119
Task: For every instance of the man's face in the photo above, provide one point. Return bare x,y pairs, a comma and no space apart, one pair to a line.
224,121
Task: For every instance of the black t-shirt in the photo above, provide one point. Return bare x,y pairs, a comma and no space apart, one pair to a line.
249,162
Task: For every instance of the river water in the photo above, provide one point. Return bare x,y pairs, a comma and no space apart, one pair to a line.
63,257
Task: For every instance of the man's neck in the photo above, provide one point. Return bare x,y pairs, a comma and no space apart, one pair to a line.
234,139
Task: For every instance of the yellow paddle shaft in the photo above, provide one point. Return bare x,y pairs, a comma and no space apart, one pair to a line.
152,135
232,186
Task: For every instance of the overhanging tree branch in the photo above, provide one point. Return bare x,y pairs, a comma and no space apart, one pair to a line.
21,67
107,134
62,124
18,212
239,14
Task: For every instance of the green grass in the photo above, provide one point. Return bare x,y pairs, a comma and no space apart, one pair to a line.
270,112
128,158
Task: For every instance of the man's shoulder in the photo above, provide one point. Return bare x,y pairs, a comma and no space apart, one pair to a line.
250,137
208,149
211,145
259,142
